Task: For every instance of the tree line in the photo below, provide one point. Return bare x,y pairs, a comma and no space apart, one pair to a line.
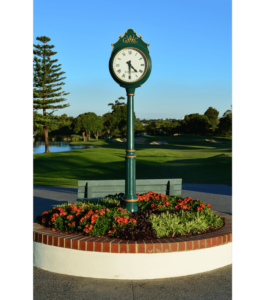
48,95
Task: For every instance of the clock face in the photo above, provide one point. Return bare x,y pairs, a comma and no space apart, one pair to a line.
130,64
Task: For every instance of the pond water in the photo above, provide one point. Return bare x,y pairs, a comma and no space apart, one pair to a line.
39,147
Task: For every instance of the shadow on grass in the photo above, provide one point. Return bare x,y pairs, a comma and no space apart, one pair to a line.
70,169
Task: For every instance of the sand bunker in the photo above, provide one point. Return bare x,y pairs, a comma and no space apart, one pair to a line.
122,140
140,140
212,141
157,143
136,140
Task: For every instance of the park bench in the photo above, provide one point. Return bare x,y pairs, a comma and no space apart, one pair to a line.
88,189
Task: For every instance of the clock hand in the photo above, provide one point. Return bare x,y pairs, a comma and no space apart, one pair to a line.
129,65
134,68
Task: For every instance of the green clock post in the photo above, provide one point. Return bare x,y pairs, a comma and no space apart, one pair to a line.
130,66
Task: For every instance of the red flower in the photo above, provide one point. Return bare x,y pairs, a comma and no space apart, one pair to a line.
54,229
209,205
44,213
69,217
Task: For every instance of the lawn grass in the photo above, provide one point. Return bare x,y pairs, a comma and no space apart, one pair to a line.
189,157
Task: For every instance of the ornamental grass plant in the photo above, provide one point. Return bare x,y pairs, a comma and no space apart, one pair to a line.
159,216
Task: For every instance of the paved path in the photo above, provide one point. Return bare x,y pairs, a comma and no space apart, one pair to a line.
215,284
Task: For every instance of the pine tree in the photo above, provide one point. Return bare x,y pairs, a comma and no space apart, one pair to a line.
47,87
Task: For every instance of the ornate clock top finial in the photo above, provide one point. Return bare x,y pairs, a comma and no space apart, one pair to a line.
130,37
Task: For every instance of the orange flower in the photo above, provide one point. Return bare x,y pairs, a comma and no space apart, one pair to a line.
133,220
209,205
44,213
69,217
73,207
93,219
54,229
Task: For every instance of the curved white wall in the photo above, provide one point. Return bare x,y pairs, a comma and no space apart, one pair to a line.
130,266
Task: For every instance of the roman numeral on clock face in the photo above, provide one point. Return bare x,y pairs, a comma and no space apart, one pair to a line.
140,58
141,71
119,71
123,75
130,52
123,54
141,65
117,65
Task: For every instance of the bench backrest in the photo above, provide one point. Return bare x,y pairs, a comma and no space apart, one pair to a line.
88,189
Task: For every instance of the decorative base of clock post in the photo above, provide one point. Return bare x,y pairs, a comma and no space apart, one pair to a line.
131,205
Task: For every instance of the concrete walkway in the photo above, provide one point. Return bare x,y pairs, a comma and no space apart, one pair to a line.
215,284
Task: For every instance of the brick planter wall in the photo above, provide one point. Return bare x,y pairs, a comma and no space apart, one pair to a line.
83,243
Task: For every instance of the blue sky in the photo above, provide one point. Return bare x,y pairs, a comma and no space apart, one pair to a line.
193,46
190,47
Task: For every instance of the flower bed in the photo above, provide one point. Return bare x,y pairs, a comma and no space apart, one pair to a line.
159,216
